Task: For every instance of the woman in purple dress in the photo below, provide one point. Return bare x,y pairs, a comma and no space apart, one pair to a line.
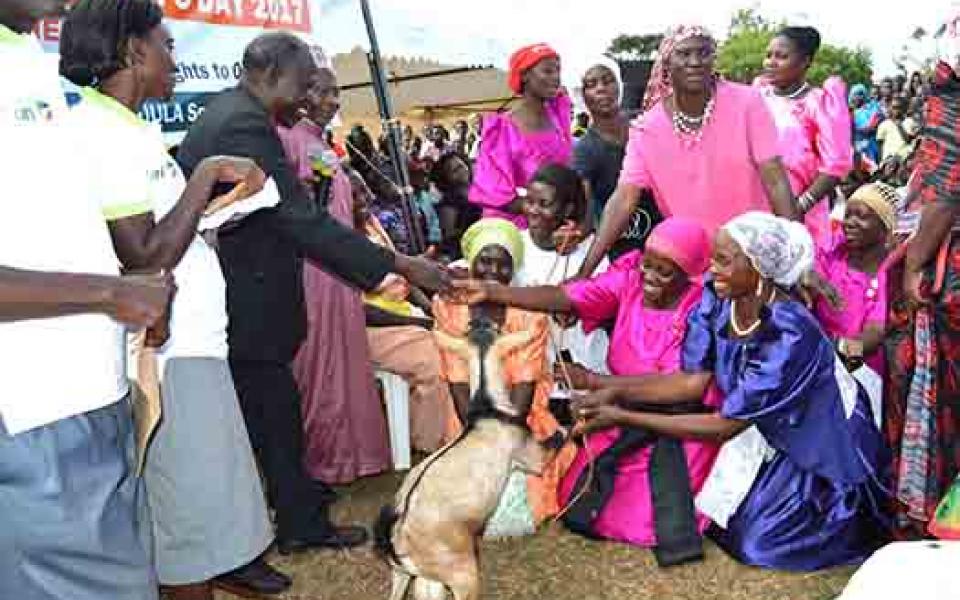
798,483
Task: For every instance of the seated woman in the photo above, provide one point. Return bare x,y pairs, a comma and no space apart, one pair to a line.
799,486
493,250
556,203
401,341
650,298
853,265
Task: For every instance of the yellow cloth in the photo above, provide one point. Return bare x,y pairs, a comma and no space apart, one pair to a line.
391,295
493,232
880,198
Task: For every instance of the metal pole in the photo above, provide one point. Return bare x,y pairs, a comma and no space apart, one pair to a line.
394,133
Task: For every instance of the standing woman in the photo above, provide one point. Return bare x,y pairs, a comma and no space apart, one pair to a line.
344,432
208,519
814,124
867,116
598,156
534,133
706,148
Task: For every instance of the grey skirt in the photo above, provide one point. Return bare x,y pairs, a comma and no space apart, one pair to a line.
206,502
69,502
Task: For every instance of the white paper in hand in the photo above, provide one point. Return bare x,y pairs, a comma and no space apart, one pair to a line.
268,197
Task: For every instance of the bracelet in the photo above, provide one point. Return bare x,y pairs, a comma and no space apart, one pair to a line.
806,202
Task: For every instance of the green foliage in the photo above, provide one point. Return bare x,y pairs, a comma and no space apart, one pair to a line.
740,57
635,47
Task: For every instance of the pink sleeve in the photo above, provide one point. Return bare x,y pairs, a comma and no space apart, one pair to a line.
634,171
834,142
762,135
597,300
494,182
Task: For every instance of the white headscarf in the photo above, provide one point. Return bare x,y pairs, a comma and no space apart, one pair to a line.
778,249
601,61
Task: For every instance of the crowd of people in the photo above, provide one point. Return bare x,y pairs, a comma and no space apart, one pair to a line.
740,301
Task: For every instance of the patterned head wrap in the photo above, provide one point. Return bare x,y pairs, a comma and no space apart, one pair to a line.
493,232
780,250
660,85
881,199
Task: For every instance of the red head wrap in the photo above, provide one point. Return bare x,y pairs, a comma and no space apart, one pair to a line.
524,59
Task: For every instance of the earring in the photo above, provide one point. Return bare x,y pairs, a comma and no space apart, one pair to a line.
759,287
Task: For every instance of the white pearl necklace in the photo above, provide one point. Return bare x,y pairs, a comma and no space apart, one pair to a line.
690,127
745,331
796,93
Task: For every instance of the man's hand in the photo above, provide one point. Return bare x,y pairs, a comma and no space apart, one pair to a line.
233,169
139,301
422,273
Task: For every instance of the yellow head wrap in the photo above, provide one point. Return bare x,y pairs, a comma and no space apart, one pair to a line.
880,198
493,232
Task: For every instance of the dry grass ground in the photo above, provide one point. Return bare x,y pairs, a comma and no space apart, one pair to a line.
553,565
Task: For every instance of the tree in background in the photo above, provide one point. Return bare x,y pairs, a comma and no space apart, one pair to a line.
635,47
741,55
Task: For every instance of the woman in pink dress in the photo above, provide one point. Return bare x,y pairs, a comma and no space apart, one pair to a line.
650,298
854,264
706,148
345,433
534,133
814,124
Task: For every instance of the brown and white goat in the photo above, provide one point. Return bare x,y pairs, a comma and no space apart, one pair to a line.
430,534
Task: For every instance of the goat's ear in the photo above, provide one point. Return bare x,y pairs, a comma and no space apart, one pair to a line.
453,344
506,343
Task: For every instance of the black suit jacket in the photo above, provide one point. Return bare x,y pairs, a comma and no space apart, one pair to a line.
262,256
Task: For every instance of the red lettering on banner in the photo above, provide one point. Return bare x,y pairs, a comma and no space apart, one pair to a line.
270,14
48,30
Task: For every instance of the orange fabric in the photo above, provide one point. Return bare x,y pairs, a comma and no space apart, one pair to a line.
526,364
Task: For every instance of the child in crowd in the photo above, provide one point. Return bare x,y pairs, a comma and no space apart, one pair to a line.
424,201
897,132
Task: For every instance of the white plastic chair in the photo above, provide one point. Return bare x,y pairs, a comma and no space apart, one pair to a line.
396,395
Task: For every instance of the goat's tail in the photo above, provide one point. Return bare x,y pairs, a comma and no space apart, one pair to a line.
383,534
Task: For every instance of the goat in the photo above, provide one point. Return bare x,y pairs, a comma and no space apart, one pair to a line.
430,534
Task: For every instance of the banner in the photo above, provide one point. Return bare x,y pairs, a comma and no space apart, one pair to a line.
210,37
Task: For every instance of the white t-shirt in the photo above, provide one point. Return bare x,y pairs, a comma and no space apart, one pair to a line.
198,326
50,220
545,267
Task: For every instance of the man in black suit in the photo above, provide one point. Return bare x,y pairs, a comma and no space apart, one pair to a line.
262,259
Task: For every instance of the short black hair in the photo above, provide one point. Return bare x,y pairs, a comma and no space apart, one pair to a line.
273,52
95,35
568,188
805,39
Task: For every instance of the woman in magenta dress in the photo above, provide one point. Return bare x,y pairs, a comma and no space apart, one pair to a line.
854,264
814,124
649,297
345,433
706,148
534,133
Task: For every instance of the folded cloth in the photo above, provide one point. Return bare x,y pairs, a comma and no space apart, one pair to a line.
268,197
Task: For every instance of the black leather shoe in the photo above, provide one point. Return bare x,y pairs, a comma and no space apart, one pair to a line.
254,580
326,537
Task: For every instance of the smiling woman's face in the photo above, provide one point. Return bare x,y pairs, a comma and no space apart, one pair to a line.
663,280
733,275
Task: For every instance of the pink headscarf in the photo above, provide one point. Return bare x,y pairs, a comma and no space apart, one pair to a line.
660,85
684,241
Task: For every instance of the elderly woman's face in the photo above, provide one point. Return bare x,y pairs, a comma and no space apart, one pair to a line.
542,80
691,65
663,280
862,227
733,275
493,263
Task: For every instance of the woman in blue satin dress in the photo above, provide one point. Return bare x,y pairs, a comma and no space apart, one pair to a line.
800,483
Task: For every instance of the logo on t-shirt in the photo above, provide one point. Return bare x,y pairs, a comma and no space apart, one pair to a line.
32,112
